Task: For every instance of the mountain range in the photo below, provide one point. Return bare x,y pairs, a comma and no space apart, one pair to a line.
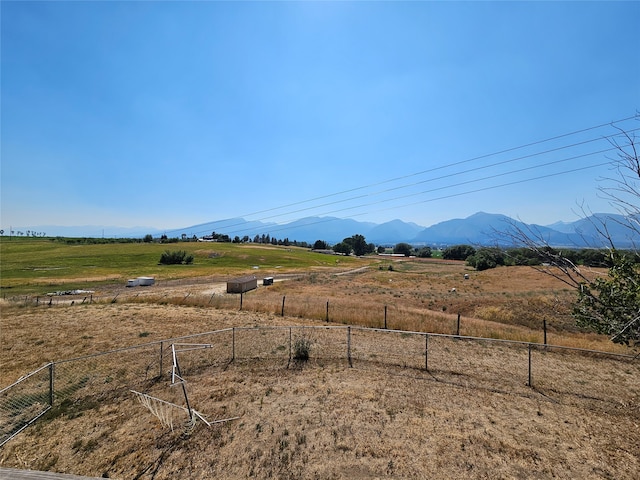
478,229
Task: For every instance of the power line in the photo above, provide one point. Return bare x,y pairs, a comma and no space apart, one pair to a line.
444,197
445,187
480,157
489,177
503,162
469,160
432,179
476,180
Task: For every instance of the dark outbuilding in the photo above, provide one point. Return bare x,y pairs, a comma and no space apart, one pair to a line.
242,284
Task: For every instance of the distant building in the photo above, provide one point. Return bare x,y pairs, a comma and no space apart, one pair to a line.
242,284
141,281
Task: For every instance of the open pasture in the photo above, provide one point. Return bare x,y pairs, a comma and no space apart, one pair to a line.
37,266
470,416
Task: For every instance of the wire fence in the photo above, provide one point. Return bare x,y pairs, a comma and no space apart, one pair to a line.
24,401
370,314
347,311
465,361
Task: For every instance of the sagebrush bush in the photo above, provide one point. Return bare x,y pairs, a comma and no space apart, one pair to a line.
301,349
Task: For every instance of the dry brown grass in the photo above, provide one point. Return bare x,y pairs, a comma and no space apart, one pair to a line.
510,303
471,416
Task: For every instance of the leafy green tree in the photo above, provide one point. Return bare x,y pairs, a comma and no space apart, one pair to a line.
403,249
611,305
320,245
148,238
343,248
486,258
358,244
424,252
458,252
595,258
521,256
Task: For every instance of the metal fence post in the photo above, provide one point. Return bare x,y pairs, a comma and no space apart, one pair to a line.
349,346
426,352
530,347
282,312
161,359
233,344
51,383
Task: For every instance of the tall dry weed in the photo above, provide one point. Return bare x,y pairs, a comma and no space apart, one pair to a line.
494,313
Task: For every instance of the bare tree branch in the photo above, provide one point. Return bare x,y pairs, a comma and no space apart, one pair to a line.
607,304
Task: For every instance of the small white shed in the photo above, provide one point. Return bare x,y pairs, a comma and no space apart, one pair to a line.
141,281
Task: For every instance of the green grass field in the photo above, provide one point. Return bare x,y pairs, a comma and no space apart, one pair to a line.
27,265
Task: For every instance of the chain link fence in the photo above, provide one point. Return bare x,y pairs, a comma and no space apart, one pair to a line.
24,401
464,361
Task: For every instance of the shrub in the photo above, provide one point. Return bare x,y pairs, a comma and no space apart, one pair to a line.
301,349
177,257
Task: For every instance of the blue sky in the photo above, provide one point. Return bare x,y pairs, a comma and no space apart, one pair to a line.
170,114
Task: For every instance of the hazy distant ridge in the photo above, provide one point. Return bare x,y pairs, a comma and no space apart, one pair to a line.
478,229
484,229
